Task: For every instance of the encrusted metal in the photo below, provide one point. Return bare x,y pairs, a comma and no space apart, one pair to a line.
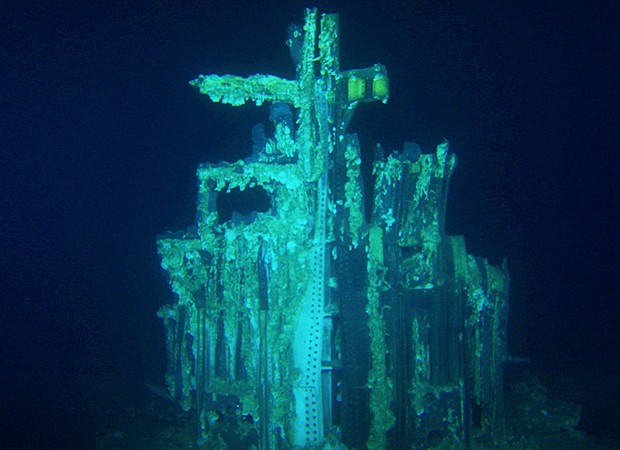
307,323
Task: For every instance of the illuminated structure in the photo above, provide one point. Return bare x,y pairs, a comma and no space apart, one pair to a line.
306,324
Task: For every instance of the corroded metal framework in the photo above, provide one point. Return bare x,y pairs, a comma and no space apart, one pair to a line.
308,324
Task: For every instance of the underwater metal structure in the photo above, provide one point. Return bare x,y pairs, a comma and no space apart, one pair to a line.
308,324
